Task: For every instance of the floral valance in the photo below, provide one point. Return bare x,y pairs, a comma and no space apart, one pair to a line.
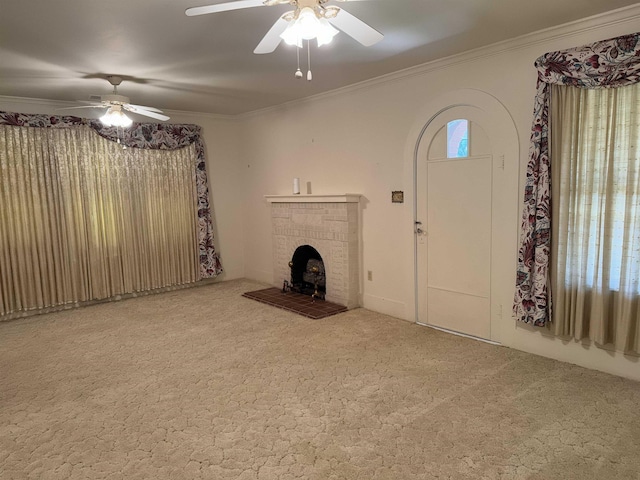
162,136
150,136
606,64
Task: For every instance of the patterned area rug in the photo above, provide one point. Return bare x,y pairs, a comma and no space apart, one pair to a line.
296,302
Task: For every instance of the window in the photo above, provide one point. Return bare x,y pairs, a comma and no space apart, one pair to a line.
579,257
84,219
458,138
597,171
595,239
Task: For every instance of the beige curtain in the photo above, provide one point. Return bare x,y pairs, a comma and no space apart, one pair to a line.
596,215
83,219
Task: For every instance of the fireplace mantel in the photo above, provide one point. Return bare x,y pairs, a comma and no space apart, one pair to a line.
343,198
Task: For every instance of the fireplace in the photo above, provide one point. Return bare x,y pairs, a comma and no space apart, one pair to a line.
326,228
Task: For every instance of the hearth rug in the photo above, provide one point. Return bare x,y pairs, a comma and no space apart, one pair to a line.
296,302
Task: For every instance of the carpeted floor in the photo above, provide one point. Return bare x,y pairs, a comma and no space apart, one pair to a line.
203,383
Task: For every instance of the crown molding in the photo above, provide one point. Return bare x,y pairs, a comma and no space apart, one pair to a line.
56,104
37,101
627,15
204,115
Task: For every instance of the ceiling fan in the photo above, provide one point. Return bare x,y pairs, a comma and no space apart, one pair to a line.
290,25
115,104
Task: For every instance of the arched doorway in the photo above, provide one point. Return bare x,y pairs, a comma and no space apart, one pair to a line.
465,210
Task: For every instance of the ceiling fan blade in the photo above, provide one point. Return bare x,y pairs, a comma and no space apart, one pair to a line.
143,111
223,7
356,28
81,106
272,39
152,109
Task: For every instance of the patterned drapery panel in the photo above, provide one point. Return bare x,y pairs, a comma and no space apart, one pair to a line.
606,64
149,136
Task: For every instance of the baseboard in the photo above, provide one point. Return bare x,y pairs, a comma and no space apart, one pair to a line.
231,274
383,305
259,275
530,340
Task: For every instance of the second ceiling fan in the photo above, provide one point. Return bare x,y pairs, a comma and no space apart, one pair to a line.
310,19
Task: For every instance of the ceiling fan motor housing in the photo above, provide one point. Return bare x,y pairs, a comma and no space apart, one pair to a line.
115,99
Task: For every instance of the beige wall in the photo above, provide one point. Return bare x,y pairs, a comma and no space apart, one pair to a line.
361,140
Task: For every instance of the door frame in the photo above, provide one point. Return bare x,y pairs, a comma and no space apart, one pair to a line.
503,135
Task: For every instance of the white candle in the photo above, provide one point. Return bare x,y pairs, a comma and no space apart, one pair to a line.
296,186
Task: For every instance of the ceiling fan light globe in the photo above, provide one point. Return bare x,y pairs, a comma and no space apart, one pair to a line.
291,35
326,33
115,118
309,24
307,27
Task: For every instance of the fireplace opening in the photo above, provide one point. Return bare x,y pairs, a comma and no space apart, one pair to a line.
307,272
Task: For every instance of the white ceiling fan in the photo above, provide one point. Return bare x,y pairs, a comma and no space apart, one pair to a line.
290,26
115,104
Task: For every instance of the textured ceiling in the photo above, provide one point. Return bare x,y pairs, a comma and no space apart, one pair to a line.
62,50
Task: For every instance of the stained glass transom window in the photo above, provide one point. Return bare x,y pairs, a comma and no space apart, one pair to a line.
458,138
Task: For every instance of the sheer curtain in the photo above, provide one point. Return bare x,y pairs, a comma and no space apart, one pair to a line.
595,266
83,219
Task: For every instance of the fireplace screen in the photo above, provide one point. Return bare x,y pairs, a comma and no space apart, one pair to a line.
307,273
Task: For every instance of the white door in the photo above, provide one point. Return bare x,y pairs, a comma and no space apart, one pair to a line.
454,213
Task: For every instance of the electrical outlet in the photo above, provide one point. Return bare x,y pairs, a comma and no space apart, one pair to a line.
369,275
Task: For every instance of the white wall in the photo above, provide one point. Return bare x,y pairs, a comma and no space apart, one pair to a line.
360,140
221,138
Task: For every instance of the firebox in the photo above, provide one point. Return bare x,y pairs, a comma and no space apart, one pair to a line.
307,272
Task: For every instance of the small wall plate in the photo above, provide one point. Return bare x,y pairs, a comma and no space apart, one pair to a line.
397,197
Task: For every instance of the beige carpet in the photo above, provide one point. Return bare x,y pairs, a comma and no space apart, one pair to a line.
203,383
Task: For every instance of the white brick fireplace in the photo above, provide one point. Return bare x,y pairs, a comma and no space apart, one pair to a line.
328,223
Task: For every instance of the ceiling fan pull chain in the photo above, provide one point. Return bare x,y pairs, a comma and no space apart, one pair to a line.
298,72
120,133
309,76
